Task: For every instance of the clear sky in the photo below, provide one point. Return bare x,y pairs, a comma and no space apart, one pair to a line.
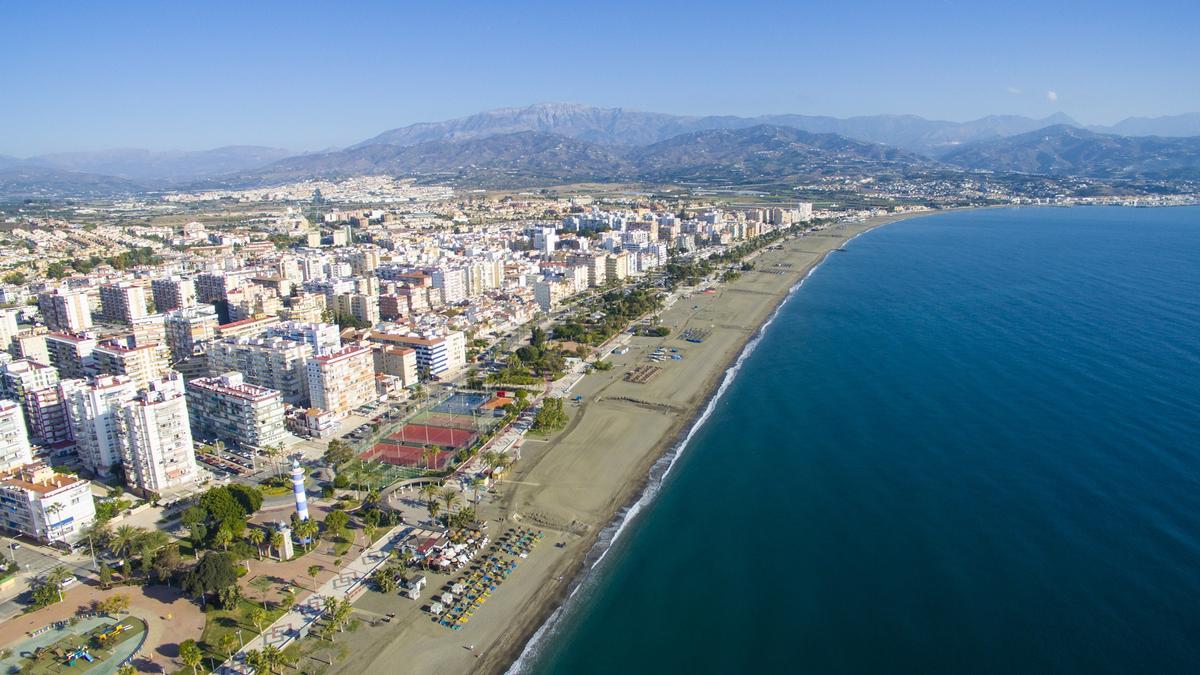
313,75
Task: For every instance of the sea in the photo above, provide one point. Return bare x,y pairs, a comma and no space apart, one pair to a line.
969,443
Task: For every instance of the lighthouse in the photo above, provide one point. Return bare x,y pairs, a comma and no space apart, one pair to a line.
298,490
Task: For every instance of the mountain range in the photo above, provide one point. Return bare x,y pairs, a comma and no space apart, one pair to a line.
557,142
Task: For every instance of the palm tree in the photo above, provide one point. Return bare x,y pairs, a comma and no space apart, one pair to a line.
428,455
258,616
277,543
307,530
123,540
272,657
313,571
223,538
256,536
450,498
229,644
476,484
429,492
434,508
127,669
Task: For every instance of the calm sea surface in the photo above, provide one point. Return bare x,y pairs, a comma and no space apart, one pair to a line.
970,443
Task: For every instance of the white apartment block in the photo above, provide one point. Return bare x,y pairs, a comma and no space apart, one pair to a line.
172,293
123,302
396,361
342,381
140,364
156,438
436,355
93,407
71,354
14,437
189,329
274,363
8,327
321,338
65,310
39,503
226,408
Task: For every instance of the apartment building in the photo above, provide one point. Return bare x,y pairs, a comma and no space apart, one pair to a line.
8,327
37,502
227,408
140,364
171,293
396,361
436,355
71,354
93,407
274,363
156,438
189,330
321,338
65,310
47,413
14,437
617,266
342,381
123,302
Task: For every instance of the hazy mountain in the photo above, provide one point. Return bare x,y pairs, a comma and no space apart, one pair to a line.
764,152
621,127
1187,124
162,166
527,156
37,181
1062,150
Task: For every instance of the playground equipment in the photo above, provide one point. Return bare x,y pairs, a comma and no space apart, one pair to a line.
111,633
81,653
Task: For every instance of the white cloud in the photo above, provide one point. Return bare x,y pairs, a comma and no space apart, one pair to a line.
1052,95
1013,90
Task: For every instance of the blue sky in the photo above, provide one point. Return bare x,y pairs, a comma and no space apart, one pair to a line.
313,75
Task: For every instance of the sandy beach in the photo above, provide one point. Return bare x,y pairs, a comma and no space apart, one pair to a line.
574,483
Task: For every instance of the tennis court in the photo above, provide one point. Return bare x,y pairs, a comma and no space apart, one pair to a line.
425,435
407,455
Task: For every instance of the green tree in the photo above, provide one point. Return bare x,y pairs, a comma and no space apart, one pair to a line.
313,571
258,617
384,580
277,543
335,523
256,536
105,574
214,572
338,452
307,530
190,654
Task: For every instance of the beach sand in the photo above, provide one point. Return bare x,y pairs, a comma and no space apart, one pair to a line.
573,484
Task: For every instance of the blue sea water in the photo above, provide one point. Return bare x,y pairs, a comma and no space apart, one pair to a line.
970,443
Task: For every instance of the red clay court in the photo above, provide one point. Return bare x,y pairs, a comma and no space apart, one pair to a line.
423,434
405,455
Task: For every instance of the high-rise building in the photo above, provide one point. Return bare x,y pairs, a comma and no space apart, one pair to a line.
8,327
452,283
123,302
94,406
30,344
65,310
71,354
364,308
39,503
396,361
172,293
156,438
226,408
49,419
14,438
274,363
322,338
342,381
617,266
189,330
140,364
436,355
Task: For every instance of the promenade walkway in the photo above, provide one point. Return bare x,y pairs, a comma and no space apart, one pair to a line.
347,582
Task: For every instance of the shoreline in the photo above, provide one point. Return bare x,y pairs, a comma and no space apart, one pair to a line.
669,450
587,483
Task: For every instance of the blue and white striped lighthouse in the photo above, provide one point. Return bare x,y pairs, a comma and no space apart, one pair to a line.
298,490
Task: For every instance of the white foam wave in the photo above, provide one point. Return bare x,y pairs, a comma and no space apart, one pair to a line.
658,474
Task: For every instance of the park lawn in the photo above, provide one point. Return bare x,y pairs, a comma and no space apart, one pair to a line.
221,622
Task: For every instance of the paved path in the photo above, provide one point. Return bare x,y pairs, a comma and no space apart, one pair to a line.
308,608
